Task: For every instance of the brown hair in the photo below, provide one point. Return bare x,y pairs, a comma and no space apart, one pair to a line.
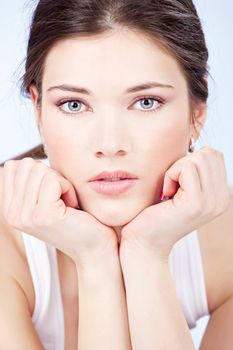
173,24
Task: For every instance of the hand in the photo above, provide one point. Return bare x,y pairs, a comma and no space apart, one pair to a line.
197,187
39,201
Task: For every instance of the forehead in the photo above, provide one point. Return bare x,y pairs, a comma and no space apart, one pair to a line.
110,57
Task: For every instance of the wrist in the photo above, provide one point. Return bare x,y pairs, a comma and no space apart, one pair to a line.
142,257
96,265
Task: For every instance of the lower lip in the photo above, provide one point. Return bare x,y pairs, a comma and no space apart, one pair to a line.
114,187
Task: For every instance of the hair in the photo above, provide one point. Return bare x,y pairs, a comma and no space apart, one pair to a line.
172,24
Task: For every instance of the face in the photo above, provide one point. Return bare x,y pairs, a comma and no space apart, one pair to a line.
142,131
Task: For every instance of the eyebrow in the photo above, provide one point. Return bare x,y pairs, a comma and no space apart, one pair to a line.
82,90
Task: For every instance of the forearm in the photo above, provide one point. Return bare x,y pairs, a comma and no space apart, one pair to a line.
156,320
103,319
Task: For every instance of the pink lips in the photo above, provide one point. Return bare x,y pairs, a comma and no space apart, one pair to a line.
114,174
101,184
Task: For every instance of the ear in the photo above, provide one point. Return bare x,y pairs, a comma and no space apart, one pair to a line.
37,107
198,118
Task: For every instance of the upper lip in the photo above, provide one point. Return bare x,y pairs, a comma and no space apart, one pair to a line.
114,174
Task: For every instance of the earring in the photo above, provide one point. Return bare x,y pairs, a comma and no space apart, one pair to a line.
192,146
45,149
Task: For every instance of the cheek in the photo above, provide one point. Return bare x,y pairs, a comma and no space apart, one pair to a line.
168,143
163,149
60,136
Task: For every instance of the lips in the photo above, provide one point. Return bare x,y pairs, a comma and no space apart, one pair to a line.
106,187
118,174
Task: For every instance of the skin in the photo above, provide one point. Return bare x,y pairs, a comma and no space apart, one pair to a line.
113,130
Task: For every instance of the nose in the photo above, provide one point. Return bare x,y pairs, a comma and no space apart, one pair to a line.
112,137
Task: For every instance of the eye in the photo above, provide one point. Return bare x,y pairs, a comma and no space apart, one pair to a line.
148,102
72,106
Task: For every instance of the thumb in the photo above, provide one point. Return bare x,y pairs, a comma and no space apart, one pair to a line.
68,193
171,180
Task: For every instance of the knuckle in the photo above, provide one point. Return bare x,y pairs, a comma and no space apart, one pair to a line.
204,154
207,150
50,176
190,164
221,155
9,164
38,167
27,160
216,152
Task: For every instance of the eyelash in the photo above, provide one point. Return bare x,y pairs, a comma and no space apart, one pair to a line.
157,99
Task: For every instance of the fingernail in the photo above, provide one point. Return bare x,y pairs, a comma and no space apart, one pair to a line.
162,196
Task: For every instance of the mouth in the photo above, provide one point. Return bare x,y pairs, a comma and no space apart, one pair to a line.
113,179
112,186
114,176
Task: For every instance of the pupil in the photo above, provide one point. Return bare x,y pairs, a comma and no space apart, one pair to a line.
74,104
147,102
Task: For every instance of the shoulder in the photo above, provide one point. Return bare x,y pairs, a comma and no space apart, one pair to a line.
216,244
12,253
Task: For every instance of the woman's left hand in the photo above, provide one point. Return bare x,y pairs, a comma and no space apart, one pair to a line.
198,192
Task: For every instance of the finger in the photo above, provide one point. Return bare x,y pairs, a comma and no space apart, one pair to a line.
10,167
170,187
32,189
20,184
202,159
185,173
207,162
53,186
218,182
69,195
70,198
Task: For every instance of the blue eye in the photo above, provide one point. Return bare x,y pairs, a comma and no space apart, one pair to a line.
150,102
73,106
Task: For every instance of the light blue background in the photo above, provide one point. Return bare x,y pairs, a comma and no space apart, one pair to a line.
18,132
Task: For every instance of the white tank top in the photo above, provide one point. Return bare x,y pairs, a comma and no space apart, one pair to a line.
185,265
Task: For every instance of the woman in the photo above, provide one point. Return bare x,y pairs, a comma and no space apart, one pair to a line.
90,68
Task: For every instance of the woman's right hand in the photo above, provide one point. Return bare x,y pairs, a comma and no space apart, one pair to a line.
39,201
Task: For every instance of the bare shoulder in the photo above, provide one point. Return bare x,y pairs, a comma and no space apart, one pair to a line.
12,254
216,244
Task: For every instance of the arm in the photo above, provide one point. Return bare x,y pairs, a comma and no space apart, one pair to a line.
16,328
218,333
103,320
216,241
155,317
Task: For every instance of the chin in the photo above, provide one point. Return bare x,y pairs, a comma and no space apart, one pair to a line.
112,222
114,216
